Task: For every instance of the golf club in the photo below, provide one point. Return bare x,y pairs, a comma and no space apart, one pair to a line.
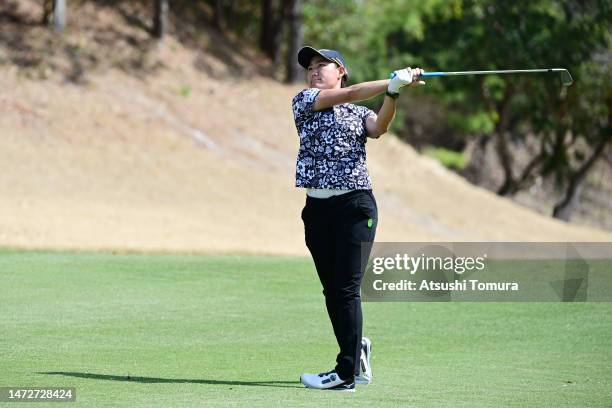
566,78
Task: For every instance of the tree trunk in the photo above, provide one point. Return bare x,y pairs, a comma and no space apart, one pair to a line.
526,178
48,9
277,33
271,28
505,159
160,18
59,15
478,161
265,31
563,210
218,16
499,134
295,40
502,148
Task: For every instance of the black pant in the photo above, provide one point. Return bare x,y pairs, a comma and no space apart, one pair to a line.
335,227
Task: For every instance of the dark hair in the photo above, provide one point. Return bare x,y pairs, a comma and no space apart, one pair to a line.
344,78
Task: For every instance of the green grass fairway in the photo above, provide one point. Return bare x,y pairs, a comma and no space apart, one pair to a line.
238,331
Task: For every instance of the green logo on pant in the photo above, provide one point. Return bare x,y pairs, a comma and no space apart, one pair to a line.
370,222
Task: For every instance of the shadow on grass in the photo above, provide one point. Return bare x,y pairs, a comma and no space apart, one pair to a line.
154,380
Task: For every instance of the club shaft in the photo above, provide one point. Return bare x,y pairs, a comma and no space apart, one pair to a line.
503,71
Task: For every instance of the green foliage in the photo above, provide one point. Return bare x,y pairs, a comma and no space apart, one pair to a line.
474,123
379,36
449,158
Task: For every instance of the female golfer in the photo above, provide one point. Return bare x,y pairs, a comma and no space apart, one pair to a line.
340,211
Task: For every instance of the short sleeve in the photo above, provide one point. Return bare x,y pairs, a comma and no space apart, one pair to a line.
365,113
302,104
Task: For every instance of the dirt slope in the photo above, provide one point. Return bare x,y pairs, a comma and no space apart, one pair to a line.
187,159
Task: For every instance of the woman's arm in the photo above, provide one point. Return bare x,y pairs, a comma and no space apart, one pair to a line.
354,93
377,125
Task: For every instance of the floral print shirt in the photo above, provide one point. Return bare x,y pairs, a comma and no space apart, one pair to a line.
332,151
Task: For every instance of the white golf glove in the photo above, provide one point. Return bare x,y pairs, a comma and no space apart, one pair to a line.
402,77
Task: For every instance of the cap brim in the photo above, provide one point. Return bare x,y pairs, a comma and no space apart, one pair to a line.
306,53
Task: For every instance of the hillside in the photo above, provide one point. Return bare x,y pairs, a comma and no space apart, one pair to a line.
193,150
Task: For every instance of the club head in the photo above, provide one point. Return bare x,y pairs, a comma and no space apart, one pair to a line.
564,75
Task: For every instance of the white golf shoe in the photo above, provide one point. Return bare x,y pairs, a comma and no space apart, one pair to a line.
365,369
327,381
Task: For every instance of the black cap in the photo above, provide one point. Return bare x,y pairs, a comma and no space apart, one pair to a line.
305,54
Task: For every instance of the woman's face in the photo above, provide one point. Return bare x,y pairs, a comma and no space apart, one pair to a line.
324,74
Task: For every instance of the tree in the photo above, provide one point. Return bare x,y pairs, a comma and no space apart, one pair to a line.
59,15
218,15
271,28
160,18
509,110
592,125
295,39
564,208
48,8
